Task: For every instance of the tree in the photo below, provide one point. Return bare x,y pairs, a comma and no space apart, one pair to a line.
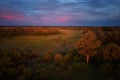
111,52
67,57
58,58
48,56
87,44
101,35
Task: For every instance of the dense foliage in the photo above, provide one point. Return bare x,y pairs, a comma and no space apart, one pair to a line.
101,44
10,32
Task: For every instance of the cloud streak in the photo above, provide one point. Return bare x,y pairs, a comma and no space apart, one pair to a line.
60,12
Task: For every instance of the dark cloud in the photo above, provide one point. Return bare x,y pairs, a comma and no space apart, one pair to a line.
79,12
98,3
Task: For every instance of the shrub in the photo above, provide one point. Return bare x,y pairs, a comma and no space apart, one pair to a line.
58,58
67,57
48,56
41,75
27,73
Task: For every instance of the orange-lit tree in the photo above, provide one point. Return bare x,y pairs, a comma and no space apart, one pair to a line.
87,44
111,52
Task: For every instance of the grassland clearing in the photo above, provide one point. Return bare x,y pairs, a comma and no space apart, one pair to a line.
58,43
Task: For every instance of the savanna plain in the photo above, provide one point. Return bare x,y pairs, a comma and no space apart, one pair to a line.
59,53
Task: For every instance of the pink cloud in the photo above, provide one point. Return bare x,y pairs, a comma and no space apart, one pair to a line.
12,16
61,19
19,17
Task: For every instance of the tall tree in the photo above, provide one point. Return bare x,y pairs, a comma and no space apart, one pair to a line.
87,44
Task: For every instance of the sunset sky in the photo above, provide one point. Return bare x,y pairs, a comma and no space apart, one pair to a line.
60,12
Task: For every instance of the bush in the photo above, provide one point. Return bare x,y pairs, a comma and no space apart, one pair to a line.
58,58
27,73
41,75
48,56
67,57
105,68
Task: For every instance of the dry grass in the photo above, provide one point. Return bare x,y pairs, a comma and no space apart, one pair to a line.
58,43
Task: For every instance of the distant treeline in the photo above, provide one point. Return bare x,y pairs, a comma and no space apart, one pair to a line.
107,34
9,32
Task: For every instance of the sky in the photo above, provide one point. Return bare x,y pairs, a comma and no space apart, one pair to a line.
59,12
